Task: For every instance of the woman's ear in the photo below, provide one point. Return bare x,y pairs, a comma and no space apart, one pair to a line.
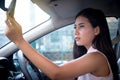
97,30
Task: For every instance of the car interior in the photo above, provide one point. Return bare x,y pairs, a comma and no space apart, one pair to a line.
15,66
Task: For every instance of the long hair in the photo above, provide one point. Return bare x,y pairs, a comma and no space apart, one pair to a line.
102,41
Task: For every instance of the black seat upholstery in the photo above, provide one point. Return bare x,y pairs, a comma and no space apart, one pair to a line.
3,68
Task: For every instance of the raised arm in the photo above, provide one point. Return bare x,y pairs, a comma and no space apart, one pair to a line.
14,33
72,69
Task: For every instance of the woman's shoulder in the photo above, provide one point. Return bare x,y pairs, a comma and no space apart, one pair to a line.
92,52
96,55
100,62
95,58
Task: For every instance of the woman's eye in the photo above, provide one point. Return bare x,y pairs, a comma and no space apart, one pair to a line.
81,26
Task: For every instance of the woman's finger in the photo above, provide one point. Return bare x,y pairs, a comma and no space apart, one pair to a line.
10,21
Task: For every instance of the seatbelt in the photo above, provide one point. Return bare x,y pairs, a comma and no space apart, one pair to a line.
116,39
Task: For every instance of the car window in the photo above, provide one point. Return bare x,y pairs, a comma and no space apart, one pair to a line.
58,45
113,26
27,14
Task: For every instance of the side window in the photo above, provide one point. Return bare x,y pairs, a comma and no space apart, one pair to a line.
57,46
113,26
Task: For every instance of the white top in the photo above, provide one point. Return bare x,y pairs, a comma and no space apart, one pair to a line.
90,76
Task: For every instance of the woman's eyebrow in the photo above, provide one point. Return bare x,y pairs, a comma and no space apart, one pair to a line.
79,24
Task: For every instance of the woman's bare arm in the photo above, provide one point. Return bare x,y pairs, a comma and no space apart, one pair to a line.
72,69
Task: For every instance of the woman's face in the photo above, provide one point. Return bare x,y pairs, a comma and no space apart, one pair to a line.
84,32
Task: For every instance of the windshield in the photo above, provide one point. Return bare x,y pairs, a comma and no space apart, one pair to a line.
26,13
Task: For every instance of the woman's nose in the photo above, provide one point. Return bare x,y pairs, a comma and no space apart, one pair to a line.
76,32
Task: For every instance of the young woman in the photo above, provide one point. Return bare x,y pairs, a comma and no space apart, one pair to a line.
92,39
101,42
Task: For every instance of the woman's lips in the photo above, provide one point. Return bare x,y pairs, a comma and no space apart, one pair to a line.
77,38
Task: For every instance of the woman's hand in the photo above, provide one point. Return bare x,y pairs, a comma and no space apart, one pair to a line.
13,30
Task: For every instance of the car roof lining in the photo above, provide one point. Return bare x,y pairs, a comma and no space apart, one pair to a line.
66,8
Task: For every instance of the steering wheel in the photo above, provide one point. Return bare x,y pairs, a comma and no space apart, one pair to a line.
30,71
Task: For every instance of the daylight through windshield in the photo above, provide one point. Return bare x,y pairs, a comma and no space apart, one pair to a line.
26,13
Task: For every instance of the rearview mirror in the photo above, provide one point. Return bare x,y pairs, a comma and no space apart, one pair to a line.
10,9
